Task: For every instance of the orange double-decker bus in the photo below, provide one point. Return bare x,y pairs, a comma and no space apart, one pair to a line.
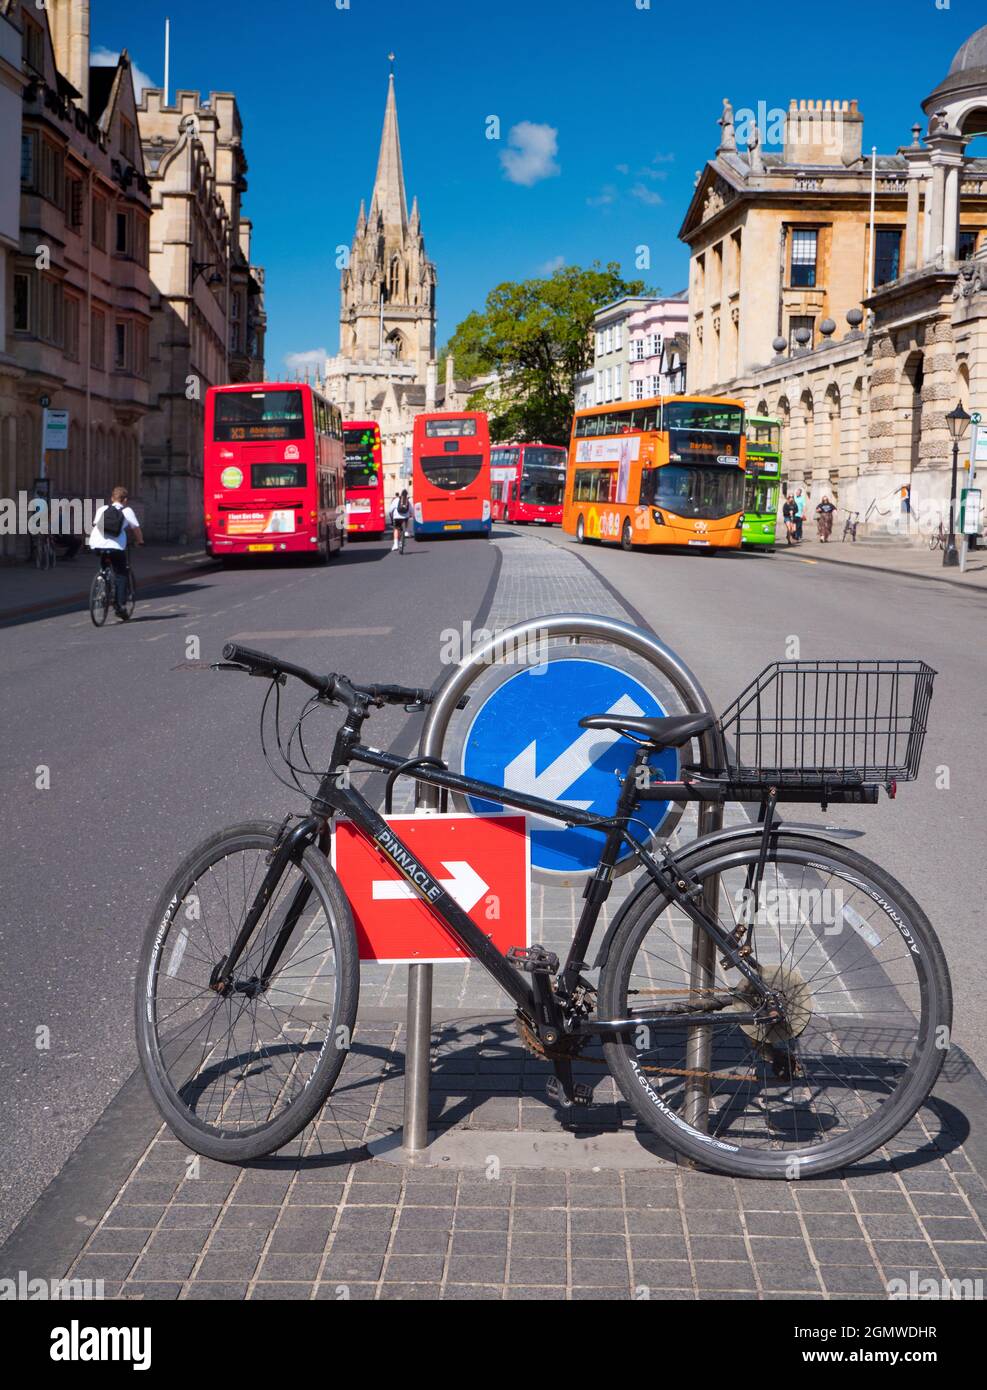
668,471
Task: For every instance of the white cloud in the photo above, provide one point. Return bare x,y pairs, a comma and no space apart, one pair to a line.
606,195
531,152
107,58
312,361
550,267
644,194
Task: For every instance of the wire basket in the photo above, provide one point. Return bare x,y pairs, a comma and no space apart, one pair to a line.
811,723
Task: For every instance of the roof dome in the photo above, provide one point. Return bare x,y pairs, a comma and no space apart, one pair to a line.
973,54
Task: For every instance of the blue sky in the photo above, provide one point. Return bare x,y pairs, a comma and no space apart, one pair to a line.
629,94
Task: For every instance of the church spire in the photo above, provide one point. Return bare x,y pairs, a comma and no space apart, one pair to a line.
388,196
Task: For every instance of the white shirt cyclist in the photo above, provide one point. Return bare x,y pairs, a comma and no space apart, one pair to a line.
97,540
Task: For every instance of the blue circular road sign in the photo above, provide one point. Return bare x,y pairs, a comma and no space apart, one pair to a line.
526,736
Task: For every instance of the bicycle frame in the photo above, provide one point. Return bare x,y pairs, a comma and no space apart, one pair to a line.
548,1010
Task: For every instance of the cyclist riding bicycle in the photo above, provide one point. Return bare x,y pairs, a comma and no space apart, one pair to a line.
108,537
400,514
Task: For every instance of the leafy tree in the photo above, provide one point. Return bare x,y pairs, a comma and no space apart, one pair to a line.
534,336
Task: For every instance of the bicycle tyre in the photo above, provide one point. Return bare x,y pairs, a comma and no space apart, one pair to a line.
220,1142
131,600
99,599
721,1152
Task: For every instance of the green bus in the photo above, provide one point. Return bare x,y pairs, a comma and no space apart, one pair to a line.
763,482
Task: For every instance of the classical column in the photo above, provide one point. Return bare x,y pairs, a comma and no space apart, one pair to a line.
951,214
927,219
911,223
938,206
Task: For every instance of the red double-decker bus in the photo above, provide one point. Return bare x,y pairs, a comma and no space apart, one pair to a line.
527,482
451,474
273,471
364,478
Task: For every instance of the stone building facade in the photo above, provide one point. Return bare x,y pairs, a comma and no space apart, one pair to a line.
208,300
77,289
386,369
782,252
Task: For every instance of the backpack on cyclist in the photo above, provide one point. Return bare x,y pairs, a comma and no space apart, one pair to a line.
111,523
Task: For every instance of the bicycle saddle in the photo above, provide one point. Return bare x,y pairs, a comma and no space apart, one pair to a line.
670,732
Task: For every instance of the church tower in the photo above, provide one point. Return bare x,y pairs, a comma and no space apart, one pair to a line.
387,292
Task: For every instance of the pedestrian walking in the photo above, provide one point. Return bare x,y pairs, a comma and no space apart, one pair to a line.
789,514
801,501
824,519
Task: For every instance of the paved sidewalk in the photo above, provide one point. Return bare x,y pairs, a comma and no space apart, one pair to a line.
25,590
540,1203
916,561
323,1221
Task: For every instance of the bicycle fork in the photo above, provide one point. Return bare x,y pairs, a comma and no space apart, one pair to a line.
288,848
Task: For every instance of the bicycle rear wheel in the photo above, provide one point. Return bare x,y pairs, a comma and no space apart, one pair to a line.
130,603
237,1077
866,1013
99,598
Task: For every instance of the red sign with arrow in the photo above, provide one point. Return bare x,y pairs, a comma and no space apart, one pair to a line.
481,861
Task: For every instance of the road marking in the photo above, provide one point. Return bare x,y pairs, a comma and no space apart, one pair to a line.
466,886
312,632
803,561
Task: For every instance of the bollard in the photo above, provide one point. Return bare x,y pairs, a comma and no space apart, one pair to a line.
574,626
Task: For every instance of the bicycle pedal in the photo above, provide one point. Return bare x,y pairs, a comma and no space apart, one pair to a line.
534,959
581,1093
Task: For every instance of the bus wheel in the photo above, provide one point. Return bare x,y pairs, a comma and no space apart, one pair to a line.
626,537
580,530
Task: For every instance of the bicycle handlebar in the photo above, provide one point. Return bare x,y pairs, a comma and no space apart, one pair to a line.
332,687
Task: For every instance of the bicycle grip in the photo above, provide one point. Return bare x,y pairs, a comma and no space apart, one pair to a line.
246,656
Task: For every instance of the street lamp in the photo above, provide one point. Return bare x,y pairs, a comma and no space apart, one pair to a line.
958,422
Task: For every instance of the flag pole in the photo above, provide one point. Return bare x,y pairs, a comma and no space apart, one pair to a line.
167,65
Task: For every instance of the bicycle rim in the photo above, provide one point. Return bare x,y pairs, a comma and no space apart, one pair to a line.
864,989
238,1076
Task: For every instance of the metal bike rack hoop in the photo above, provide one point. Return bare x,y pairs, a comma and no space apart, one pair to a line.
585,627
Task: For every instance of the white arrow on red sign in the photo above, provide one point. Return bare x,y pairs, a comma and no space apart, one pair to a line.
465,886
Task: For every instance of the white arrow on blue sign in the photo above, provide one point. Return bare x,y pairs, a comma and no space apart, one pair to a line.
526,736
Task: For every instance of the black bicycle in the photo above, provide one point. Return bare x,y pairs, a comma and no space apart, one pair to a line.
102,591
770,1003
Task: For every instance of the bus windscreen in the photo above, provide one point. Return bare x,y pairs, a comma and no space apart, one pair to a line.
542,486
701,415
361,467
258,415
704,492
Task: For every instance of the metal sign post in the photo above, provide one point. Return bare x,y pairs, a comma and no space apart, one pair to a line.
512,642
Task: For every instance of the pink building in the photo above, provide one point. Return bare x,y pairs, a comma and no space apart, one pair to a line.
657,344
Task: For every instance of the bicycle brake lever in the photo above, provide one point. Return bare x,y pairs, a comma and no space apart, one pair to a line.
278,676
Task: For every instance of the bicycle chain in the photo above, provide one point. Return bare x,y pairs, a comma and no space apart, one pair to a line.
533,1044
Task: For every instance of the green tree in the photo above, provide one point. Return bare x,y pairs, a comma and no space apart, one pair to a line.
535,336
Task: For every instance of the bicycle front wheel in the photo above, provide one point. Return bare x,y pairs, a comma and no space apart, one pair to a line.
238,1076
866,1011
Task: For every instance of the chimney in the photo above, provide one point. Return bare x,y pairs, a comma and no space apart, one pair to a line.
431,376
450,376
69,21
824,132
